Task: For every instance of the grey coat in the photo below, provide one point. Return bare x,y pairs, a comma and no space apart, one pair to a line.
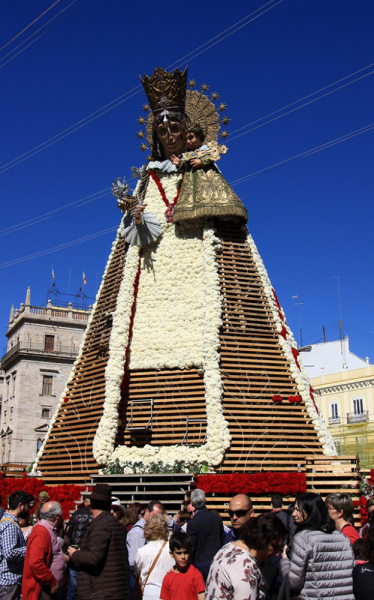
321,565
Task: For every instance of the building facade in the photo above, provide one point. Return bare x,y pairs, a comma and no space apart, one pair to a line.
344,391
42,345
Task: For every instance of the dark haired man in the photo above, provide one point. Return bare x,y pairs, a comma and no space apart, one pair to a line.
283,515
75,531
13,545
101,560
2,511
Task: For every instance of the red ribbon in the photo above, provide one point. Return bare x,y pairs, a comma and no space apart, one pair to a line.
157,181
127,355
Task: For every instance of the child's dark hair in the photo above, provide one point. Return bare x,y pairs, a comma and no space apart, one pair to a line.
180,541
198,131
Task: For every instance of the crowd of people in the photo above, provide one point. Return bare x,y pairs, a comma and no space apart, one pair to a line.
309,549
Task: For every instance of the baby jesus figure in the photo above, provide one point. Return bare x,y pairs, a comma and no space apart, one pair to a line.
204,191
194,140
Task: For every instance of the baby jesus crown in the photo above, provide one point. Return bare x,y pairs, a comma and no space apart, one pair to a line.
166,90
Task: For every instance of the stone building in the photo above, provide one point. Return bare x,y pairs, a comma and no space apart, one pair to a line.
42,345
344,391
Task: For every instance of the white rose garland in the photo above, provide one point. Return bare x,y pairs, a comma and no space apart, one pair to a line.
298,373
103,444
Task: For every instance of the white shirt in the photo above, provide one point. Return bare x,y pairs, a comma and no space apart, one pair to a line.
143,562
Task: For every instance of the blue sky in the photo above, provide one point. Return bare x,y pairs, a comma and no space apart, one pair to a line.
311,219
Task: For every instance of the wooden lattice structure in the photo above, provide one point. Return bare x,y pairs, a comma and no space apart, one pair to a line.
265,435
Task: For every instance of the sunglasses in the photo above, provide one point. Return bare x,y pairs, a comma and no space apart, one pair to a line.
238,513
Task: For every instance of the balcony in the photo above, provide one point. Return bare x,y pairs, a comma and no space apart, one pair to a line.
357,418
334,420
27,348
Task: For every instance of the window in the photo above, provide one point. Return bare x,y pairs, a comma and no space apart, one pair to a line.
39,444
46,413
358,406
13,387
9,447
47,385
11,413
49,343
7,388
334,410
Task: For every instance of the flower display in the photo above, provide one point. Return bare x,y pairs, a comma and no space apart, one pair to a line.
253,483
294,399
179,276
277,398
65,494
367,493
289,347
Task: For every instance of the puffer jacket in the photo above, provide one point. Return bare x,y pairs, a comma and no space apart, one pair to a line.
321,565
102,561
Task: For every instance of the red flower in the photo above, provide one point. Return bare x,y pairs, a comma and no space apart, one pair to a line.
256,483
66,399
283,333
294,399
277,398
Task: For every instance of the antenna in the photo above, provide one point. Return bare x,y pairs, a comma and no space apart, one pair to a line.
298,303
340,311
324,333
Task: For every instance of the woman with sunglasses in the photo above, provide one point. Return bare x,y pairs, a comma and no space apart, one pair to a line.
321,560
234,574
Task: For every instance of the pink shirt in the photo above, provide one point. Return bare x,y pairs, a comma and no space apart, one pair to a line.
58,565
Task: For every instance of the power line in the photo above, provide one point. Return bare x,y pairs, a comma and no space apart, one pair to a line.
41,35
300,100
32,23
103,110
241,180
86,238
52,213
339,140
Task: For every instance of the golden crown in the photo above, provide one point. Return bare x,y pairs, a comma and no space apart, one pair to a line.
165,90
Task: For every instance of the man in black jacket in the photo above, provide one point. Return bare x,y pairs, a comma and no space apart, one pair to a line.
75,530
206,533
101,560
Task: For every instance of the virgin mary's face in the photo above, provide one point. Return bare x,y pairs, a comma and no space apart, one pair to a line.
171,138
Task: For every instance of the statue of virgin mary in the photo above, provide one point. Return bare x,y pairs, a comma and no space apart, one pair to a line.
169,308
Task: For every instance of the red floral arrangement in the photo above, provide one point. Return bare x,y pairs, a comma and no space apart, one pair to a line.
294,399
65,494
277,398
253,483
367,490
283,333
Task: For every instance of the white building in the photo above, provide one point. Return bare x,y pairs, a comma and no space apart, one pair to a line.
43,343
